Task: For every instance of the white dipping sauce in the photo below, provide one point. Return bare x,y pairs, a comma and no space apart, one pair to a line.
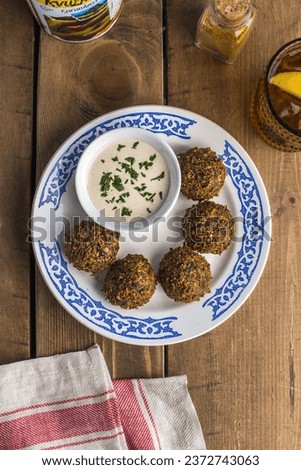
128,179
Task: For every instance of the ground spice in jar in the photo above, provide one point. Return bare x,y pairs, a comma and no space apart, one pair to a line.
224,28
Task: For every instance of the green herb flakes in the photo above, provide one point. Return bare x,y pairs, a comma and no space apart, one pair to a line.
130,173
117,183
160,177
125,211
120,147
131,160
140,188
146,164
105,181
123,197
151,197
128,169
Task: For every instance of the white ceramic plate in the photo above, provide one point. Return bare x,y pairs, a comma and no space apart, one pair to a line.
162,321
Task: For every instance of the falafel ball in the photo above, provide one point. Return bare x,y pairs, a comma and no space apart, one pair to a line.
203,173
91,247
130,282
208,227
184,275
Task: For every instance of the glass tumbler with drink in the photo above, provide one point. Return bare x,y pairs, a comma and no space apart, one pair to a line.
276,103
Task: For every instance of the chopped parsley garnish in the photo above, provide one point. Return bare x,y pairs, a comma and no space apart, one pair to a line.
117,183
146,164
131,160
127,175
147,195
122,197
140,188
128,169
105,181
126,211
120,147
159,177
151,197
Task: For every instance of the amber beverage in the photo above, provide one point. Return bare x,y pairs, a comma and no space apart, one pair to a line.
276,103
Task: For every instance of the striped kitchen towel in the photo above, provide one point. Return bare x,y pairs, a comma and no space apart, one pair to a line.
70,402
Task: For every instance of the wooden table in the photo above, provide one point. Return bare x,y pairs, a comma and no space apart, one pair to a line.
245,376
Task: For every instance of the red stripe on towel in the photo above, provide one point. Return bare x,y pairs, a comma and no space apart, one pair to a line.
136,430
149,411
59,424
95,439
61,402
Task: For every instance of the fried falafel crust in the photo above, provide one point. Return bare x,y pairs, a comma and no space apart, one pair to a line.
184,275
203,173
130,282
91,247
208,227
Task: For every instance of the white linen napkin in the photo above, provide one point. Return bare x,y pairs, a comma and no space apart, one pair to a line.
69,401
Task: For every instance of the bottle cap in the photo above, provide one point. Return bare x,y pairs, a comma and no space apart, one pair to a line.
232,9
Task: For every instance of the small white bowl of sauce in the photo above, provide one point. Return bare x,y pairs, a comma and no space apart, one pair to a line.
128,179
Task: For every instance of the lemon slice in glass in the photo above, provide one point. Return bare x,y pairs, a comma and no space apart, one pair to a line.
290,82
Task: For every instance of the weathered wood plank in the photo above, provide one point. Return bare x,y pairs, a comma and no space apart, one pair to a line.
16,72
76,84
244,376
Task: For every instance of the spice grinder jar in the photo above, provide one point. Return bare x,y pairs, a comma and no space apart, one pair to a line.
224,27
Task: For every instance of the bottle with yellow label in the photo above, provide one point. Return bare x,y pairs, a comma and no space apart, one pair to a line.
76,20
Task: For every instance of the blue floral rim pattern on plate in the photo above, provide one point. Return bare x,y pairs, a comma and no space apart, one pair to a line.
93,310
129,326
253,233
